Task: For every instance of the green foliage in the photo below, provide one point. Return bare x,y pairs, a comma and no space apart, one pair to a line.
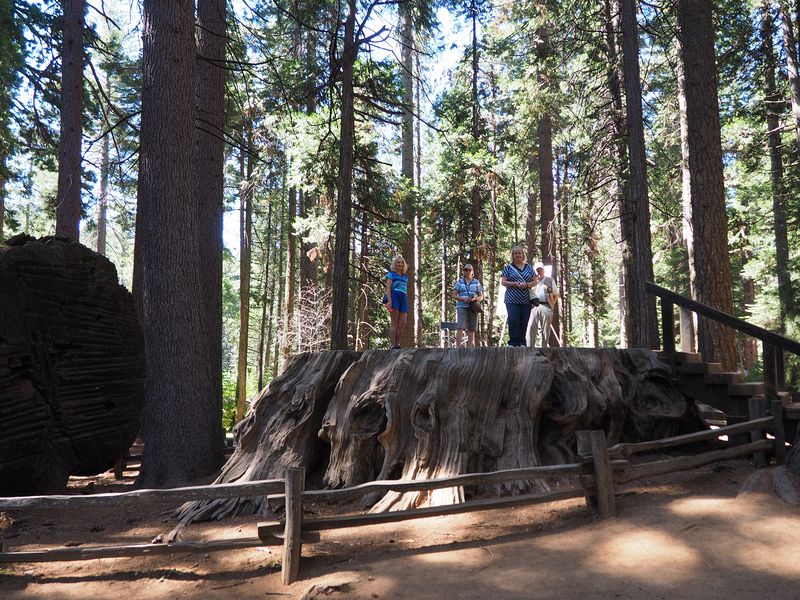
535,58
228,400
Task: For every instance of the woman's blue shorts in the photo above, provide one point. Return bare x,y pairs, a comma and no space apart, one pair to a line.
400,301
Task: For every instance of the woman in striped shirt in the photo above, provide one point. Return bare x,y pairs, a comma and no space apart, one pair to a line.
517,277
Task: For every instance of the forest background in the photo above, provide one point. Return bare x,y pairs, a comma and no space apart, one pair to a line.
349,131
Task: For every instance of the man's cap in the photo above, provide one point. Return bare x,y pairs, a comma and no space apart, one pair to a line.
538,265
468,267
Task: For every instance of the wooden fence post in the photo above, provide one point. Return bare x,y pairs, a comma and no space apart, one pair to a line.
756,409
585,451
780,370
593,443
602,475
292,544
770,378
687,330
778,432
668,325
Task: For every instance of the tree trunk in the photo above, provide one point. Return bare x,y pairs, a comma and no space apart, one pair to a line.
443,282
262,332
399,415
269,341
210,123
341,267
591,318
180,442
530,217
637,254
263,341
68,196
308,268
418,308
545,164
311,378
290,335
547,200
408,335
2,197
773,101
790,47
750,345
706,183
245,267
281,282
362,327
563,245
476,204
686,197
620,184
102,204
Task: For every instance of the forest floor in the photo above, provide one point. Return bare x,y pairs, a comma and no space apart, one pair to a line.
681,536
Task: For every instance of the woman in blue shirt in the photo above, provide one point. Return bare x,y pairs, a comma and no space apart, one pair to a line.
396,298
517,277
467,290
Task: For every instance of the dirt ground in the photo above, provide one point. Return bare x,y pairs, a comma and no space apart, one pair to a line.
679,536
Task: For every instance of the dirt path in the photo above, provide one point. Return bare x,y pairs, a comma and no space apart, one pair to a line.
682,536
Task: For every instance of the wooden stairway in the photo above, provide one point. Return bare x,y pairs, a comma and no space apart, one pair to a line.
724,397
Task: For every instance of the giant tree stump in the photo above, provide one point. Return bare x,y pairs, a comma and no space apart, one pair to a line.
429,413
71,365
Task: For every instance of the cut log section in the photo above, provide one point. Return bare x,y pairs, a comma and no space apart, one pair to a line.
429,413
71,365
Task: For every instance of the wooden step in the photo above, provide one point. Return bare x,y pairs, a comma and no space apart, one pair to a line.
680,358
791,411
700,368
730,377
711,415
751,388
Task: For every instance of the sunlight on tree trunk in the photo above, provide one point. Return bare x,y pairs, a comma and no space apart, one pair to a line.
68,196
709,264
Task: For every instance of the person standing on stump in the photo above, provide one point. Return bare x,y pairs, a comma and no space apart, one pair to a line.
467,291
517,278
544,296
396,298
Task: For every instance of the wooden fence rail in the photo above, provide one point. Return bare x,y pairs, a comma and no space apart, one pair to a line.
342,521
426,485
626,450
597,470
182,494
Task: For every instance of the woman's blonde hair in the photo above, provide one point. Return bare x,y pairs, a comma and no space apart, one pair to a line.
517,249
397,259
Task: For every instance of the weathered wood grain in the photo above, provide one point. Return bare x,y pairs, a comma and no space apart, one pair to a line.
292,547
71,365
279,432
422,414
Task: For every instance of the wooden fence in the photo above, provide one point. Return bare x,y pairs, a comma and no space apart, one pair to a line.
597,469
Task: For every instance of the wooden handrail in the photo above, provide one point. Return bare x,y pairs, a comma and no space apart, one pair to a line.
769,337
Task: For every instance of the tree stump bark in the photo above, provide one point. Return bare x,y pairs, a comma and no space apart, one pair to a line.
71,365
279,431
429,413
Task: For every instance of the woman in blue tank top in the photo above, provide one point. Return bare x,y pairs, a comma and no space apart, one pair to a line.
396,298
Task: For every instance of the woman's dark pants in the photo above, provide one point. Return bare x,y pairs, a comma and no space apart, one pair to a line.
518,315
